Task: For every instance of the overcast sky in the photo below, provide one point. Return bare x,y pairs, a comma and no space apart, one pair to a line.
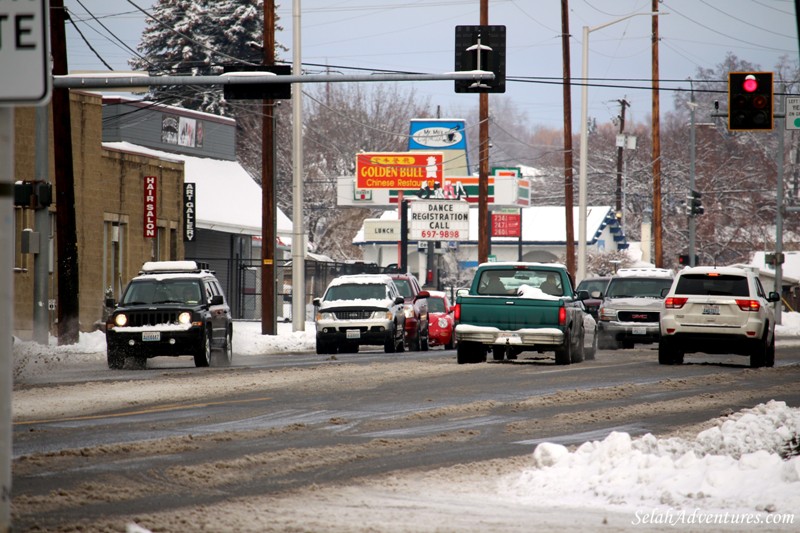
419,35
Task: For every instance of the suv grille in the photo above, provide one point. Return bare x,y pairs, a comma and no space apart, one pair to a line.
353,315
151,318
638,316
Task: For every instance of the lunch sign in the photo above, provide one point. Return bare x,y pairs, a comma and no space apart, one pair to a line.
398,170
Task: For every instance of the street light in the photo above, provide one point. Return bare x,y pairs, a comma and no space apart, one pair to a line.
585,141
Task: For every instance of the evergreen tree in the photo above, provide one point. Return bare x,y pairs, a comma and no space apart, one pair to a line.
199,37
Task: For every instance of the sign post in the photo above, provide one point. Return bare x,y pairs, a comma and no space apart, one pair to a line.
24,64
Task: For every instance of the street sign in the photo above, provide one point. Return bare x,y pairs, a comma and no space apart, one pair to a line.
24,53
438,220
793,113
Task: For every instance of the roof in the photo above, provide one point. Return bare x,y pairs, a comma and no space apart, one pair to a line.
228,199
540,224
727,270
361,278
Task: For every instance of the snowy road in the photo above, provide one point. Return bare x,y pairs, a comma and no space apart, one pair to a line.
229,449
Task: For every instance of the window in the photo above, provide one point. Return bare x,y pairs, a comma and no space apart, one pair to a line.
723,285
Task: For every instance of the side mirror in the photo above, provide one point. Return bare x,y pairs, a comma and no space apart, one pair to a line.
597,295
421,295
110,303
462,292
316,302
583,295
665,291
773,297
399,300
217,300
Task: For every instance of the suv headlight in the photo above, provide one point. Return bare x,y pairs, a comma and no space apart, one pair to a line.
382,315
408,310
325,315
185,318
121,319
607,314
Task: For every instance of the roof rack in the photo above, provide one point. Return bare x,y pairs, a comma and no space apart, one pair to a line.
174,267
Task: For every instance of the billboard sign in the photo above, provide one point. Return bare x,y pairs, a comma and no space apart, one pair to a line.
398,170
438,220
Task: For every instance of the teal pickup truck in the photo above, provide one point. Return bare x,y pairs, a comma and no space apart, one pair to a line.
516,307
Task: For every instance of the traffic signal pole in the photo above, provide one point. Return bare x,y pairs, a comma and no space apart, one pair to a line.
692,148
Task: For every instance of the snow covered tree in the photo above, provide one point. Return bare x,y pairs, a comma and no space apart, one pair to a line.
199,37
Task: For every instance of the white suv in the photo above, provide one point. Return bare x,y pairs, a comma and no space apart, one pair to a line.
718,310
357,310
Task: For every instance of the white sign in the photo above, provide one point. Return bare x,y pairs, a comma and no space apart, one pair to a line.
792,113
439,220
376,229
24,54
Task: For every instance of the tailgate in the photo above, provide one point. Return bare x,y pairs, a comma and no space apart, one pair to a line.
508,313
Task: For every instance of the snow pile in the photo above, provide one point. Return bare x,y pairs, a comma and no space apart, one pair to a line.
749,462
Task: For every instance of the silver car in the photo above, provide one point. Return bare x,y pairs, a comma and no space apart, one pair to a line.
718,310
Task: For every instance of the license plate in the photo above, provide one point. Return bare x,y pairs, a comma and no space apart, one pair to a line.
353,333
508,339
639,331
151,336
711,310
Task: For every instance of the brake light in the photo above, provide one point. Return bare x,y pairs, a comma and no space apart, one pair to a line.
674,302
748,305
457,312
562,316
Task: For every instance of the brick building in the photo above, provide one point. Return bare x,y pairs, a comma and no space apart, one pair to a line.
110,219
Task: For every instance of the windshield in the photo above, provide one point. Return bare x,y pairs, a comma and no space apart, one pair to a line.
356,291
592,285
637,287
703,284
436,305
404,287
153,291
499,282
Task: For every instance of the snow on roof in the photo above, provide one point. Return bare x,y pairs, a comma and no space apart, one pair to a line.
228,199
541,224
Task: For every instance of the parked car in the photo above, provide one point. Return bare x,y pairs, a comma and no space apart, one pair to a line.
718,310
171,308
631,307
440,320
358,310
416,311
596,287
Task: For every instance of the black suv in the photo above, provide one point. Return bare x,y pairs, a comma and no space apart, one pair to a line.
171,308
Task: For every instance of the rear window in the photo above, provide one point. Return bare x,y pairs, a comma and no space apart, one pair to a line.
703,284
506,282
634,287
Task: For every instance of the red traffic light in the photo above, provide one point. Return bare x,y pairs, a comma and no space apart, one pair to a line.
750,84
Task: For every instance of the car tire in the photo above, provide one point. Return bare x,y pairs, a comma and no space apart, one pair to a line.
469,353
225,355
770,361
390,344
203,356
425,343
115,359
564,352
758,353
669,353
450,344
498,353
414,344
590,355
577,348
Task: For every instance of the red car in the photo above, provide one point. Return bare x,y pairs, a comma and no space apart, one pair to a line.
440,320
416,311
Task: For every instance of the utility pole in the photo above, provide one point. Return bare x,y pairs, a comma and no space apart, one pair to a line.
484,245
658,252
67,304
568,181
268,211
623,104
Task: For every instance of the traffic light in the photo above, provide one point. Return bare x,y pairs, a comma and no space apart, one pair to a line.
750,101
694,204
683,260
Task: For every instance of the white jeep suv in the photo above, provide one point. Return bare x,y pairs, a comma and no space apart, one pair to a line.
718,310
